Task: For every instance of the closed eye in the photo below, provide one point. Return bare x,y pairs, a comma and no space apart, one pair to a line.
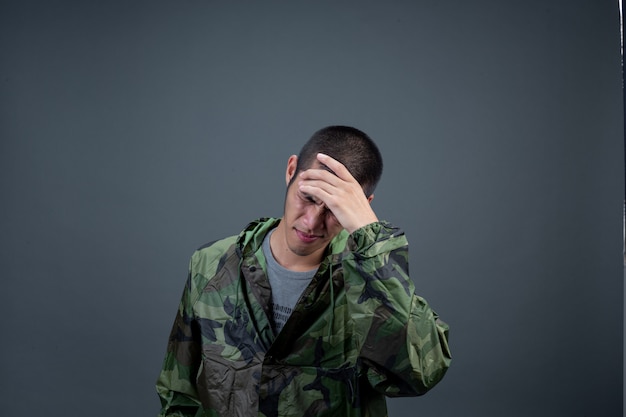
312,200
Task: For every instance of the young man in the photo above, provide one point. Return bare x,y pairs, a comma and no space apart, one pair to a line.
313,314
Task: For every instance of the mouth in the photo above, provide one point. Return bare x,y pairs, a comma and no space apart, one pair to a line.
305,237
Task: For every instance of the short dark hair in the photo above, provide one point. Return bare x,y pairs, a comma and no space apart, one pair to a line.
350,146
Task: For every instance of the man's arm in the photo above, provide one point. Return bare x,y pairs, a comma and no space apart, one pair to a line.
404,344
176,383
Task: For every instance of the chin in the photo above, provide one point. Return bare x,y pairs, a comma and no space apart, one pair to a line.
302,251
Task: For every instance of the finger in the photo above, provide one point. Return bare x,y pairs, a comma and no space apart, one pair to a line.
321,190
331,195
320,175
337,167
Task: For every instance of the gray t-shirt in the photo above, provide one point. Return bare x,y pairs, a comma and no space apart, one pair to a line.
287,286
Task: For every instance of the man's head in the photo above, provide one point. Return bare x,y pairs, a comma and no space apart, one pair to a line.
309,224
351,147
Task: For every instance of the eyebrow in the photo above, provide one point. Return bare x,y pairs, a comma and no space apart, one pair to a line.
307,196
310,198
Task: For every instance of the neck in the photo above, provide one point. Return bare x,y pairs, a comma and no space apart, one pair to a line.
288,258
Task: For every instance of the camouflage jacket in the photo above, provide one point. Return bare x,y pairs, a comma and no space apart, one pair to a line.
357,333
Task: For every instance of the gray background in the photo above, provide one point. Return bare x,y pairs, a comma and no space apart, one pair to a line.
133,132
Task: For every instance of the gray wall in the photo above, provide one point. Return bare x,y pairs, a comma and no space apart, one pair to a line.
133,132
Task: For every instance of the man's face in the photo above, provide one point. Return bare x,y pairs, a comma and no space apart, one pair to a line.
309,224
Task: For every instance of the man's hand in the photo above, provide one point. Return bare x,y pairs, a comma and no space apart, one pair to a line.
341,193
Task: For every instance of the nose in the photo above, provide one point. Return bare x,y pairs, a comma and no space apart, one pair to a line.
314,216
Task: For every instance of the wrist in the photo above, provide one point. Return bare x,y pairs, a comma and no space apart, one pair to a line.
366,222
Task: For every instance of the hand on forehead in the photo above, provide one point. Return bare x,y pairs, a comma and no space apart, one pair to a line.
330,164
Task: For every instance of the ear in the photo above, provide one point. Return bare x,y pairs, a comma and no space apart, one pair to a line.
370,198
292,164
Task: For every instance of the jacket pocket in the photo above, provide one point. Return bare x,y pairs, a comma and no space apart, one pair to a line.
228,387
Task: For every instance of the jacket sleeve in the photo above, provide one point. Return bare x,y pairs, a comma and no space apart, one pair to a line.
404,344
176,384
